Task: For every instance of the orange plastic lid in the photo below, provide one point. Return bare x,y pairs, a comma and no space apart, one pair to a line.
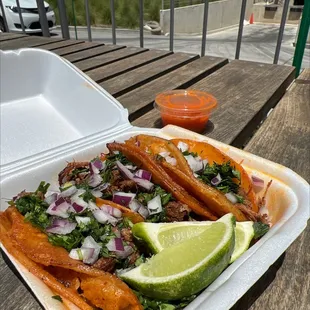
186,101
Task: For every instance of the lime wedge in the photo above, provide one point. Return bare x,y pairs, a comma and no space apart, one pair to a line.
159,236
187,267
244,233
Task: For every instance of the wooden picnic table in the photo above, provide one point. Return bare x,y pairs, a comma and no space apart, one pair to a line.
246,92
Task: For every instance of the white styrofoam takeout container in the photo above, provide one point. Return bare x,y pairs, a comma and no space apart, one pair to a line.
287,199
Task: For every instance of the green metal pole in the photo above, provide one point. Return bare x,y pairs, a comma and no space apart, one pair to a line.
74,20
302,37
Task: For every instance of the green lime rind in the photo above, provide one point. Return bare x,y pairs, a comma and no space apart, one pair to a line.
192,279
244,233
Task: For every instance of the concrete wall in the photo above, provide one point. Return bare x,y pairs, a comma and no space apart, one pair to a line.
272,13
188,19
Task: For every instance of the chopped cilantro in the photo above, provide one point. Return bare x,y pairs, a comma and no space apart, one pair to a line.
153,304
57,297
144,198
260,229
230,177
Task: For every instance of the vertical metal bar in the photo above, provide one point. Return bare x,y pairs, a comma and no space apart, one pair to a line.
113,21
20,16
43,18
6,27
302,37
171,34
240,31
88,20
63,19
281,31
204,27
141,22
5,23
74,19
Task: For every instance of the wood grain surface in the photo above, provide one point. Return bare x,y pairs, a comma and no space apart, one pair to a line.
26,42
62,51
246,92
92,52
103,73
130,80
5,36
285,138
140,100
56,45
107,58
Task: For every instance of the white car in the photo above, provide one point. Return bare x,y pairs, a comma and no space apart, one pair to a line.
30,16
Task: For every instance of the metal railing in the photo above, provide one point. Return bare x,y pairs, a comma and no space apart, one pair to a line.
300,45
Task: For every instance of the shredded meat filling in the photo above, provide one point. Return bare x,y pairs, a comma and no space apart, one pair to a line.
106,264
66,174
176,212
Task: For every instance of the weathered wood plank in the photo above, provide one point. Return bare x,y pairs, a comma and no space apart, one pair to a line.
285,138
6,36
248,87
107,58
101,74
55,45
140,100
76,48
14,293
92,52
128,81
26,42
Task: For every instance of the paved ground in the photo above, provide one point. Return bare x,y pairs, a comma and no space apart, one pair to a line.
258,43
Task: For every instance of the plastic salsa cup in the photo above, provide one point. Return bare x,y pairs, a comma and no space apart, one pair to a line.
189,109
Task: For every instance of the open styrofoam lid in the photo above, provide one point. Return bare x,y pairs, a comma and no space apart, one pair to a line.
47,103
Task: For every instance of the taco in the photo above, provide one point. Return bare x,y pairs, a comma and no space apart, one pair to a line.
208,174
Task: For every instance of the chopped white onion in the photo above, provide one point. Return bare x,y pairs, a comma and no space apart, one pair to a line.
82,219
123,199
124,171
96,193
112,211
143,174
67,192
205,163
124,254
144,212
49,199
103,217
195,165
183,147
164,154
171,160
61,227
135,205
92,206
94,180
231,197
131,167
148,185
115,244
129,175
60,208
89,242
216,180
154,205
258,183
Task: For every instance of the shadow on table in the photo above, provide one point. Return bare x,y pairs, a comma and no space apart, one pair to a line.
259,287
209,127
